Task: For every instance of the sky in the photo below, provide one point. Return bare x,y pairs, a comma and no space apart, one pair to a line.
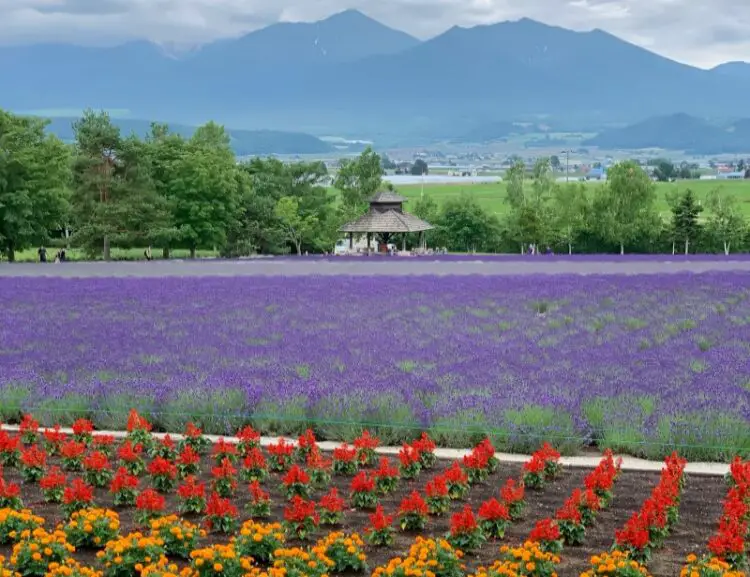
691,31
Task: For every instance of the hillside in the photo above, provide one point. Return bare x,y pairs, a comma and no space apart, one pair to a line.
677,132
736,69
244,142
350,75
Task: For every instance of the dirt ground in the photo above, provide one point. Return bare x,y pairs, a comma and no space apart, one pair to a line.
699,513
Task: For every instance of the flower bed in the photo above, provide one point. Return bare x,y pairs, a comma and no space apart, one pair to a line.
470,514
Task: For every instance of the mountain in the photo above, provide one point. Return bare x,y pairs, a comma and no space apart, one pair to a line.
677,132
351,76
244,142
736,69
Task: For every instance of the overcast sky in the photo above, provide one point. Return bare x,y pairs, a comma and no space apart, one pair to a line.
693,31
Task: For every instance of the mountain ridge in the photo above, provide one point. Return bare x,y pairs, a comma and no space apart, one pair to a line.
349,74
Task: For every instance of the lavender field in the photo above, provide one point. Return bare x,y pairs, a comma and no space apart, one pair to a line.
643,364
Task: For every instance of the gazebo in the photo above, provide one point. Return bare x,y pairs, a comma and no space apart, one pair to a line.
385,217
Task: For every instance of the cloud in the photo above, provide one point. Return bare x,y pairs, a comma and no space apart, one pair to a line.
691,31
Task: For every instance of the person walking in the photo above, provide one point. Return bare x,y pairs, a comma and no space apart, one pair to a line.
42,252
147,253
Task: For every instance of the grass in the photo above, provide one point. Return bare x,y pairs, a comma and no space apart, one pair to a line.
491,196
75,254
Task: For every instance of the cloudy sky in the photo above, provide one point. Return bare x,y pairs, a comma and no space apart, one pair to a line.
692,31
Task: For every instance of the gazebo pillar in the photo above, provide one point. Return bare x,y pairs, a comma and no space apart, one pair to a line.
403,244
351,241
368,241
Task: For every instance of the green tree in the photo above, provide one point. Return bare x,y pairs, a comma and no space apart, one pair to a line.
427,209
34,173
623,209
685,210
419,167
297,227
530,218
204,193
97,143
725,221
463,225
358,180
665,171
571,212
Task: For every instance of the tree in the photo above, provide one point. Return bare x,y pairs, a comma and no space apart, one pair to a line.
554,162
419,167
358,180
529,219
685,212
97,143
725,221
427,209
297,228
571,211
34,174
464,225
665,171
204,191
624,207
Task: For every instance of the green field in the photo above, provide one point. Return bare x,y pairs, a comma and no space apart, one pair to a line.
491,196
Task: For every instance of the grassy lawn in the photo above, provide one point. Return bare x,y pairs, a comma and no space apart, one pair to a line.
75,254
491,196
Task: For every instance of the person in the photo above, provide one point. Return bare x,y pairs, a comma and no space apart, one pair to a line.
548,250
42,252
147,253
63,256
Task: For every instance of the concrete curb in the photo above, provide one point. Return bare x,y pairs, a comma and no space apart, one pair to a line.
582,461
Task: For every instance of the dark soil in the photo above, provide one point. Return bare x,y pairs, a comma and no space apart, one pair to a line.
699,514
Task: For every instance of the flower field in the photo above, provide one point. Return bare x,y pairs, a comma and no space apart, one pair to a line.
641,364
80,503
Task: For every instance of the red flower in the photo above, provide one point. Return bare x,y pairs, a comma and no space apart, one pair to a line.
161,467
296,475
188,456
344,453
78,492
129,452
463,522
570,511
281,449
379,520
385,469
730,538
192,431
545,530
83,427
254,459
191,489
72,450
634,535
424,444
408,455
53,479
512,492
492,510
366,442
223,448
257,494
123,480
103,441
55,436
455,474
298,510
248,435
151,501
437,487
363,483
224,471
96,461
413,504
34,457
307,440
137,423
28,425
332,502
535,465
9,490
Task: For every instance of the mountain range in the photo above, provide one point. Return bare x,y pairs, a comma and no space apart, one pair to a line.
678,132
349,75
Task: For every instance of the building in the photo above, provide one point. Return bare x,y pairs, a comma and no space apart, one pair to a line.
731,175
385,218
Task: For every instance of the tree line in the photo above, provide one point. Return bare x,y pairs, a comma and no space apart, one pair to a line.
107,189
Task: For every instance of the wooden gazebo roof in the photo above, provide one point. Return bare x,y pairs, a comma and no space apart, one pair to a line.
386,215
